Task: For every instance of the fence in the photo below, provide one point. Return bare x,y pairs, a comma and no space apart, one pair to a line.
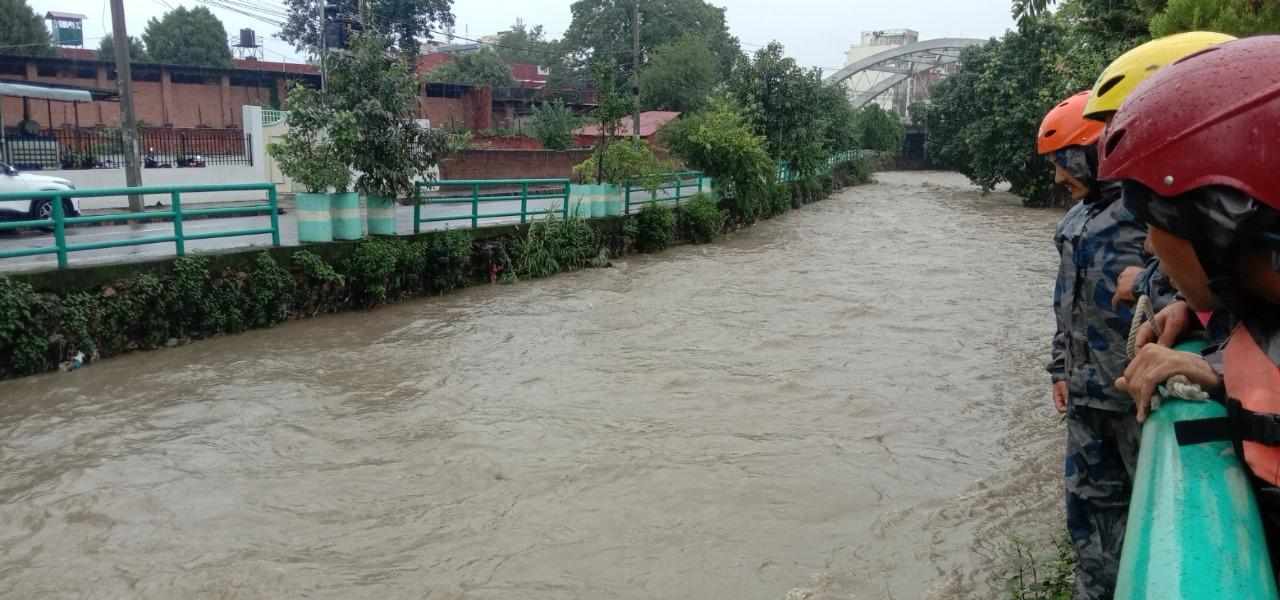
786,173
104,148
508,191
58,221
670,187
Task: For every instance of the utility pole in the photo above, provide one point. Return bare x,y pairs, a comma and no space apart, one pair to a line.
323,30
635,73
124,83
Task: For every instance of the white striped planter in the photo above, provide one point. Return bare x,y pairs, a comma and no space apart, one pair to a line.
313,215
346,216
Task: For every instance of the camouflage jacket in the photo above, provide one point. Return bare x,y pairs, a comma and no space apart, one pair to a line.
1096,241
1154,283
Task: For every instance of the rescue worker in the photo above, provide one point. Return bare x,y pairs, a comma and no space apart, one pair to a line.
1116,82
1198,150
1096,240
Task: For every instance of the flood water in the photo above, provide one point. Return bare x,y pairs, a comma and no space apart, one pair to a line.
845,402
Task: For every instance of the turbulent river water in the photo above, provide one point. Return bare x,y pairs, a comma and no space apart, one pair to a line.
845,402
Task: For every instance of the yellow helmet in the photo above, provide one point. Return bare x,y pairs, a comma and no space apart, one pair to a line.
1125,73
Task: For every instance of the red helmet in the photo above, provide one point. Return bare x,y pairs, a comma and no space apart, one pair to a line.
1210,119
1066,126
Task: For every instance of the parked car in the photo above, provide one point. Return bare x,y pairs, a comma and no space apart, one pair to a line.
11,180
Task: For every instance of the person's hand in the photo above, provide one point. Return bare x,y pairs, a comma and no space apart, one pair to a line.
1060,396
1124,286
1170,322
1154,365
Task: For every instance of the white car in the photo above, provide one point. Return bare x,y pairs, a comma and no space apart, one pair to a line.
11,180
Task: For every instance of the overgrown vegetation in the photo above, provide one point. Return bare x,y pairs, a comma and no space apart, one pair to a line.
552,245
701,219
552,124
1029,576
719,142
655,228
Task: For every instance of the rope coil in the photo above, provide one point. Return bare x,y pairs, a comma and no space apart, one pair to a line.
1177,386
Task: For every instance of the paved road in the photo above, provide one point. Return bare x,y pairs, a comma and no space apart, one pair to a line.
288,235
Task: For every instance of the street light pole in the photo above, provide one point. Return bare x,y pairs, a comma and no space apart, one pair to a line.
124,84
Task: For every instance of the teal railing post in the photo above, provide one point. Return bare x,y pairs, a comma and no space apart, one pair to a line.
524,200
679,180
59,232
700,182
565,208
626,207
475,205
273,203
178,242
417,208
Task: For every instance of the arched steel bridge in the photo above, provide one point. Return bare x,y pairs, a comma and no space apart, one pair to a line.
900,64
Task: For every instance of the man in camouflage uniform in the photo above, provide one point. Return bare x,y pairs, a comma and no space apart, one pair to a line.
1097,240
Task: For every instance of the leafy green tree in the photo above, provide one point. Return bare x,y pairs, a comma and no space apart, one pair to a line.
137,52
1236,17
408,22
390,151
879,129
601,30
679,75
1111,19
484,67
553,124
528,45
22,31
188,37
841,130
313,150
783,103
720,142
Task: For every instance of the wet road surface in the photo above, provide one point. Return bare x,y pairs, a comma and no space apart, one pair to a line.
845,402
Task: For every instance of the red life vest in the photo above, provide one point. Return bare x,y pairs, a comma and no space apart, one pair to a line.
1254,381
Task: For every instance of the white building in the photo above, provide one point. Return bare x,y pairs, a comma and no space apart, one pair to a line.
875,42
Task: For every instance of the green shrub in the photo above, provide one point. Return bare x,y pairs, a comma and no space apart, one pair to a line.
779,199
655,228
827,184
701,220
449,256
553,124
207,304
320,288
552,245
373,270
270,292
624,160
719,141
23,345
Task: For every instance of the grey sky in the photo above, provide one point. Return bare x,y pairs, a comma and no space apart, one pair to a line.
815,32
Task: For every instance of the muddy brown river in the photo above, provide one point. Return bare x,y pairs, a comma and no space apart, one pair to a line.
845,402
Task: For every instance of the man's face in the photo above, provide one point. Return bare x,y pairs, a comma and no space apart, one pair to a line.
1178,260
1077,188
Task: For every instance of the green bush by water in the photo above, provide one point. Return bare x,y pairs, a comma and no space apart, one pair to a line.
654,228
701,220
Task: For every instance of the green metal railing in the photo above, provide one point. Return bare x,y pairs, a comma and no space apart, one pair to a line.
671,187
787,174
509,190
58,221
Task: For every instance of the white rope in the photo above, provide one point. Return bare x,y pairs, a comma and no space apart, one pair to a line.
1177,386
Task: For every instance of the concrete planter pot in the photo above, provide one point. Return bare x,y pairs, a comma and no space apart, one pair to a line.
382,215
314,215
346,216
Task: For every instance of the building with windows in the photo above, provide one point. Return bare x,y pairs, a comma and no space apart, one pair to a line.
872,43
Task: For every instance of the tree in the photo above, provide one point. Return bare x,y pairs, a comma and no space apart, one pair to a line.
601,30
679,75
553,124
521,44
406,22
1236,17
720,142
390,151
188,37
484,67
1110,19
783,103
137,52
879,130
312,150
22,31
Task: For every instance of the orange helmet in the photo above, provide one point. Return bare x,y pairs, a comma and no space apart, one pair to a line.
1066,126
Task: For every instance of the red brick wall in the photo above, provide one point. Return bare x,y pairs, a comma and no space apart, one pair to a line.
442,111
512,164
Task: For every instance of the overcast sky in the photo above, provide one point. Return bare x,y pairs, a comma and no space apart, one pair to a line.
815,32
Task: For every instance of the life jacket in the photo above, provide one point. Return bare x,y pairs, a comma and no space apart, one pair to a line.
1253,392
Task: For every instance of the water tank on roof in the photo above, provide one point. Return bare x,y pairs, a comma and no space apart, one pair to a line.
248,39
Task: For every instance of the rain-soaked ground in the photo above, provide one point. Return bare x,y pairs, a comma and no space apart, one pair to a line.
845,402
